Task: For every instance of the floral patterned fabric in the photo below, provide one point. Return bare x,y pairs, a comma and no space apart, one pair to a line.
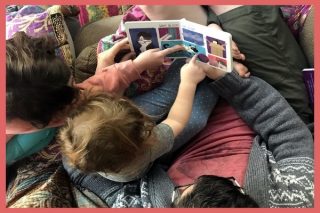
36,21
42,182
295,16
90,13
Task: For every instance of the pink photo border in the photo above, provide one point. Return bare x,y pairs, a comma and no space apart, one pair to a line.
316,4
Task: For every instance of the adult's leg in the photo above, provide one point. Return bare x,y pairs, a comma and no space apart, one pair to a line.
271,51
204,101
157,102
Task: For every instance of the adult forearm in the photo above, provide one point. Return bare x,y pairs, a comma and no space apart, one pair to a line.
269,114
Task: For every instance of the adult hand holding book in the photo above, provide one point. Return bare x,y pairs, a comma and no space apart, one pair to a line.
215,73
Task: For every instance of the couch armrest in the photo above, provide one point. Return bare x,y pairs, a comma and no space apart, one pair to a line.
94,31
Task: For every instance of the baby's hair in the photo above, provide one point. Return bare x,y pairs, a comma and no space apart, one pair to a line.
105,134
36,80
210,191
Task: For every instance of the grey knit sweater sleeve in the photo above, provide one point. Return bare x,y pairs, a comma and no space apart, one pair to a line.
269,114
280,170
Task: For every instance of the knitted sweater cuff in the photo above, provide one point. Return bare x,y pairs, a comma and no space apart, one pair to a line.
228,85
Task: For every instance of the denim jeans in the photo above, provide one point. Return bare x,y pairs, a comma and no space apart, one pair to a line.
157,103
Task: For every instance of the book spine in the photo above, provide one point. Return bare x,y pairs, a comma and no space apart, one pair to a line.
308,75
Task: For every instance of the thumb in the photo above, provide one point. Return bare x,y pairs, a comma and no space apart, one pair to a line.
122,44
128,56
194,58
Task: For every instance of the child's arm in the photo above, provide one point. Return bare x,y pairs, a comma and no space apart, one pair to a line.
268,113
191,74
115,78
286,137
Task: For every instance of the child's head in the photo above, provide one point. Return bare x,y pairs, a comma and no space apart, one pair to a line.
105,134
37,81
210,191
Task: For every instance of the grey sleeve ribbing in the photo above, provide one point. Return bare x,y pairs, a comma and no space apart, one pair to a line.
268,113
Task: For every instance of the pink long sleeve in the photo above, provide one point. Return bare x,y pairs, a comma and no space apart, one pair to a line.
113,79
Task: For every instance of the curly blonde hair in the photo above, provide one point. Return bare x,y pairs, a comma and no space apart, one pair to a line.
104,134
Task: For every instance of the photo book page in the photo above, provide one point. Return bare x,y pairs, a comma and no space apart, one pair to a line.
211,46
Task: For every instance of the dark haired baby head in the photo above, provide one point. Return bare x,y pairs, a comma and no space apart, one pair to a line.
211,191
37,81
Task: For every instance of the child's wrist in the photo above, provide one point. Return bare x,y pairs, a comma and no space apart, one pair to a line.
137,66
188,84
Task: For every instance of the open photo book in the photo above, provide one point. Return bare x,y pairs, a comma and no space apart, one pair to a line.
210,45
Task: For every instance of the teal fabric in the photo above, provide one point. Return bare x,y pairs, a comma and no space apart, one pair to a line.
21,146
